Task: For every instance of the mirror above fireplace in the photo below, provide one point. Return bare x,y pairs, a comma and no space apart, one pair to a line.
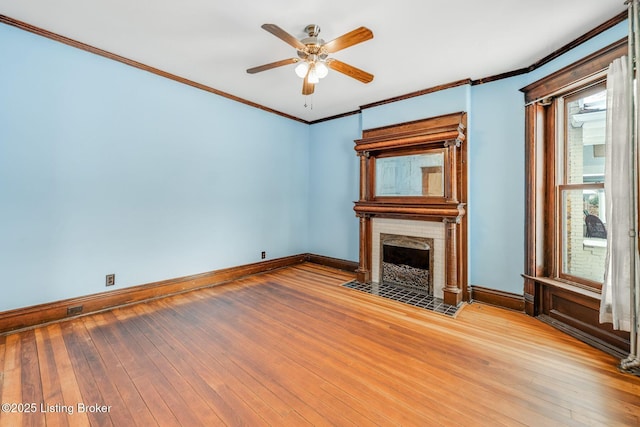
411,175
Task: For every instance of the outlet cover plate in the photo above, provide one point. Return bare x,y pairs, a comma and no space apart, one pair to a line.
110,280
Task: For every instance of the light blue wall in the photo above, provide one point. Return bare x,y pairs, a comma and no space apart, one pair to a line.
334,182
108,169
446,101
496,185
105,168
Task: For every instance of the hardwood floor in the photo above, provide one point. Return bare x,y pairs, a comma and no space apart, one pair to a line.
291,347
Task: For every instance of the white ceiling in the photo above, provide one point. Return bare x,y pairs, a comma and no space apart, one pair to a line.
417,44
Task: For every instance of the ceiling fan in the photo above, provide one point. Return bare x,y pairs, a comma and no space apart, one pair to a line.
313,55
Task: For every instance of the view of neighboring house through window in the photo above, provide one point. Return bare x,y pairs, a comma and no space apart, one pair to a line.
582,225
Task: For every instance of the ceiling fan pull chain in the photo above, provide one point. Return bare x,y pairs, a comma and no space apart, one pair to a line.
310,105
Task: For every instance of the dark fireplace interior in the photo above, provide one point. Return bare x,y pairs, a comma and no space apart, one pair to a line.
418,258
407,266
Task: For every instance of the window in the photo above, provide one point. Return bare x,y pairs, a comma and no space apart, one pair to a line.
581,228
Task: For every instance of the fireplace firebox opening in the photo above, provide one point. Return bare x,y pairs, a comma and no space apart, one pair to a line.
407,261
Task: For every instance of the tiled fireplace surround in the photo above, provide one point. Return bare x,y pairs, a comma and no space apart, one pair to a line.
410,228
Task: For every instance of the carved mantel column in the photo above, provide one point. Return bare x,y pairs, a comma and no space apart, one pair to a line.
452,177
452,291
363,273
364,171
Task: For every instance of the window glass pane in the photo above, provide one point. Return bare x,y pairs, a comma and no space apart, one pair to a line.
412,175
583,229
585,135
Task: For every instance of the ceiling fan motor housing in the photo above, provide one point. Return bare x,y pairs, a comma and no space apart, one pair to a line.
313,44
312,29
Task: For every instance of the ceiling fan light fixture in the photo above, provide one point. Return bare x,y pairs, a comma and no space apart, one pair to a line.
313,75
301,69
321,70
313,62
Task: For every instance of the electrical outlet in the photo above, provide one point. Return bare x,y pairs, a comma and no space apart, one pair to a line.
111,280
263,255
74,310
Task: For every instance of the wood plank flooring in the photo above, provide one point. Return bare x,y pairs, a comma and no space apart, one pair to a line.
292,348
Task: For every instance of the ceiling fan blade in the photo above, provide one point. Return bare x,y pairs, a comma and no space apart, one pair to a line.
283,35
356,36
272,65
307,88
350,70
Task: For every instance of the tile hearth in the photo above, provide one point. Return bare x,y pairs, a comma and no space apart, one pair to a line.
406,296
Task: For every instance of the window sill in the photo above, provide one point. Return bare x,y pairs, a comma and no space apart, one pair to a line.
588,292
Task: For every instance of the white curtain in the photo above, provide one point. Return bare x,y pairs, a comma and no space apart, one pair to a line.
615,306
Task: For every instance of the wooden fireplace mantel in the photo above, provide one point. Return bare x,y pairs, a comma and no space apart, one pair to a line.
433,212
443,134
434,131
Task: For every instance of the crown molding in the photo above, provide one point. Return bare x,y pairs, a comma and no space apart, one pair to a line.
557,53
